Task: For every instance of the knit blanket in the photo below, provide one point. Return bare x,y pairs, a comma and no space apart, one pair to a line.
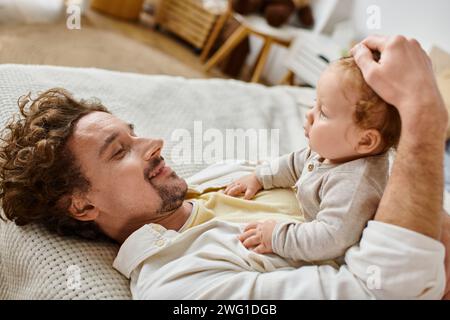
37,264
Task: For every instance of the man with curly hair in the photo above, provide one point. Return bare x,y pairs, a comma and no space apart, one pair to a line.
76,168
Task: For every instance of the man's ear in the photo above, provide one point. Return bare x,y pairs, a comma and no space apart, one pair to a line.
81,209
369,141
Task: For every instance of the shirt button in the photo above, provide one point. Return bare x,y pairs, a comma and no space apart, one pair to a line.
310,167
160,243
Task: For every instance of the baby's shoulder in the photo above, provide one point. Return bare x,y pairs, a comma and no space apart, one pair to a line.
365,164
372,170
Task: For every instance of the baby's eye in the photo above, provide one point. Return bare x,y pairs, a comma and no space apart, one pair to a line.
322,115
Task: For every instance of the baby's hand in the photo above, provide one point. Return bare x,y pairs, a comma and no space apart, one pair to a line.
258,235
249,185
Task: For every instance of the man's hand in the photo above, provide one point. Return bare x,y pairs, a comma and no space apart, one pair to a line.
258,236
403,77
249,185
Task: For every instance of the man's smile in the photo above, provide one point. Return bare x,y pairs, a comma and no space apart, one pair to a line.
155,172
157,169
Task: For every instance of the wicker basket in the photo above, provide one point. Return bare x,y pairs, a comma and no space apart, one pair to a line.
188,19
124,9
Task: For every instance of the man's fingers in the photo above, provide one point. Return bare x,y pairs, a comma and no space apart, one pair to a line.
364,59
375,42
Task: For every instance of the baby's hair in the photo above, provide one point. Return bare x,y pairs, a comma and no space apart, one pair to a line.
371,111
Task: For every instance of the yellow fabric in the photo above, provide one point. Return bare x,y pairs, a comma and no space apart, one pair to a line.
277,204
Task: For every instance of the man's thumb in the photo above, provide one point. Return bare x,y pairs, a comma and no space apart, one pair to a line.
363,58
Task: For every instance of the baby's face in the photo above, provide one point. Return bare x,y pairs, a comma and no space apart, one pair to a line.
329,125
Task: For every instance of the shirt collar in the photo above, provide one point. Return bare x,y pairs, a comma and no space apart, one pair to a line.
141,244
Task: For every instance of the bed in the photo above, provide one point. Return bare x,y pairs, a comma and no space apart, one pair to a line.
35,264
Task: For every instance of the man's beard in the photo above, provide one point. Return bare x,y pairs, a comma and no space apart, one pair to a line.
171,195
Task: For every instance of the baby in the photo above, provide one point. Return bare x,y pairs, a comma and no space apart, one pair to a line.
339,179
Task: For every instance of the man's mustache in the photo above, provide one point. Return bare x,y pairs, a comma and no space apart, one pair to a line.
152,164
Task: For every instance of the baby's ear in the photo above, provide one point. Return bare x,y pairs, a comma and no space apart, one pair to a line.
369,142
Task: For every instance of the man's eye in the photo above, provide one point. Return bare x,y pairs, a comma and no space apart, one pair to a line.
119,153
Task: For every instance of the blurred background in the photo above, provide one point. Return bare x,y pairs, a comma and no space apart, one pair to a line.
267,41
271,42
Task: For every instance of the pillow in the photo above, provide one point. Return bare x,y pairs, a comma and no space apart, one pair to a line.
36,264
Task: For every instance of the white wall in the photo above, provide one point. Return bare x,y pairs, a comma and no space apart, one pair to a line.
427,21
30,11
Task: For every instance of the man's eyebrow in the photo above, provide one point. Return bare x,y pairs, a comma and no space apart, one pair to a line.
110,139
107,143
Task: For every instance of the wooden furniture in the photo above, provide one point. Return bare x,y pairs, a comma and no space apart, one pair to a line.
309,54
124,9
188,19
250,25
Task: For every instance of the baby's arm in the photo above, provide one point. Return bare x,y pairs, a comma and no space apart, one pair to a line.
284,171
348,202
279,173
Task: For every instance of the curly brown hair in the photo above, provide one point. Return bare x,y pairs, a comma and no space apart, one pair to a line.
371,111
38,172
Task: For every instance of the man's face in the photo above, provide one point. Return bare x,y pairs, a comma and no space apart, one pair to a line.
130,183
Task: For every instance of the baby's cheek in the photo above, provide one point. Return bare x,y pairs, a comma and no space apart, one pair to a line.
324,143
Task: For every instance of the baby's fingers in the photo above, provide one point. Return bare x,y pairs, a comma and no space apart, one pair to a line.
235,190
228,187
249,193
248,233
260,249
252,225
252,241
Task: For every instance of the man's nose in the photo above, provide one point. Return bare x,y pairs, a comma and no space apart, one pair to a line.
153,148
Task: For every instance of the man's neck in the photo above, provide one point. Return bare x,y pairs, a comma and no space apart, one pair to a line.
176,219
173,220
